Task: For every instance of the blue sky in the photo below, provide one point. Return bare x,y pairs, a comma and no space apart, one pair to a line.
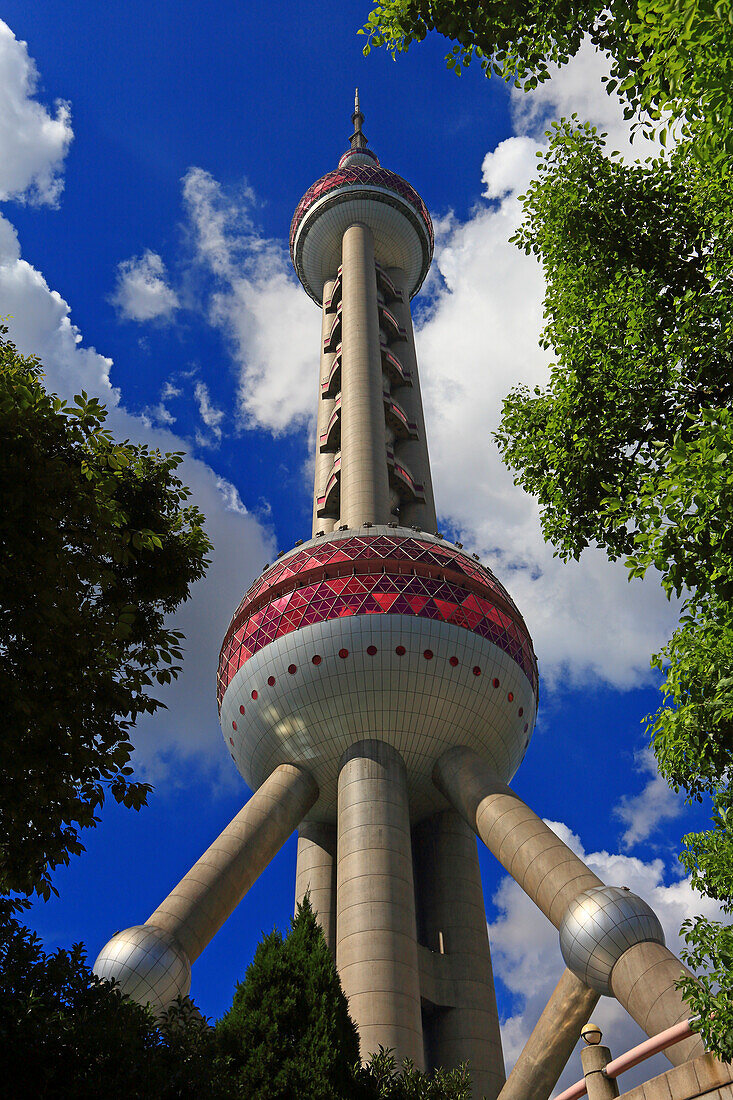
150,161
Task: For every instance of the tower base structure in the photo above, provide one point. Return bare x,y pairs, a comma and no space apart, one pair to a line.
378,689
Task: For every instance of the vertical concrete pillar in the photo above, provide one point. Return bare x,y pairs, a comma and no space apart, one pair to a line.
552,875
325,407
643,980
555,1035
196,908
452,921
414,452
315,875
364,475
595,1060
376,939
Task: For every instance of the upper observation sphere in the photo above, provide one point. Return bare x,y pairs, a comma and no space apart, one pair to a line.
360,191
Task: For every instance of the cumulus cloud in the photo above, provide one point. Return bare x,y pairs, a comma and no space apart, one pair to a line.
142,291
477,338
257,303
527,960
644,813
40,325
33,141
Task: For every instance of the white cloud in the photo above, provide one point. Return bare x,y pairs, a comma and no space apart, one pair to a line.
142,291
477,338
272,327
211,416
40,324
527,960
644,813
33,142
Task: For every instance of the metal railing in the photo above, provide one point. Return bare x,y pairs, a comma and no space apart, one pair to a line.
634,1056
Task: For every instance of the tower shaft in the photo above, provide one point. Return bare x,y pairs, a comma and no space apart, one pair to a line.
372,463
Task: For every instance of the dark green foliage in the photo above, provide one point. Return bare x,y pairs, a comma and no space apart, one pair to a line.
630,447
65,1035
96,547
288,1032
669,60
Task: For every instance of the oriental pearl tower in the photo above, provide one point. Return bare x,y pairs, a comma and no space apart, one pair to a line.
377,688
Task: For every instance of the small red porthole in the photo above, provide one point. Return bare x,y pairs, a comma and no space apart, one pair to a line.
510,696
234,725
526,727
428,654
292,669
231,741
495,682
372,650
271,681
521,711
241,710
316,659
343,653
453,661
254,694
400,650
476,670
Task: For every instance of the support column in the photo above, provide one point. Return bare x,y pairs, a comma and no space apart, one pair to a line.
452,922
196,908
643,980
595,1060
376,939
414,452
555,1035
315,875
324,409
364,476
553,876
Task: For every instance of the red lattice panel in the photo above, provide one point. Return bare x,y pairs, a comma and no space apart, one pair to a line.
374,575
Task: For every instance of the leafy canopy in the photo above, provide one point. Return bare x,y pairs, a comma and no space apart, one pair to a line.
97,546
66,1035
630,447
669,60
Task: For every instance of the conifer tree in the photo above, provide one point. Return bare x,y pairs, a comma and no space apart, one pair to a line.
288,1032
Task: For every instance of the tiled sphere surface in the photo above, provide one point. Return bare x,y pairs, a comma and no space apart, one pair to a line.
386,634
360,190
150,966
599,927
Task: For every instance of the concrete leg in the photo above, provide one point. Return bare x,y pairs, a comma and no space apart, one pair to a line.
315,874
196,908
553,876
643,981
546,1052
452,922
376,939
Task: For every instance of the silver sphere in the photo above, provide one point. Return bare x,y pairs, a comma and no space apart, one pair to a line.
599,926
150,965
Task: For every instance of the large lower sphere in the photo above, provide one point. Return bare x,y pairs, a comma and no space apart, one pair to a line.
381,634
149,965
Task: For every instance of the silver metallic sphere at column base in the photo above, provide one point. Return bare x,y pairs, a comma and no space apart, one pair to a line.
149,964
599,927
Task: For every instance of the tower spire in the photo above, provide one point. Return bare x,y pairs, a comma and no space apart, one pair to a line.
357,140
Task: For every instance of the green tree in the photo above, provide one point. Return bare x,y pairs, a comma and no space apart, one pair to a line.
97,545
668,59
630,447
66,1035
288,1032
381,1079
